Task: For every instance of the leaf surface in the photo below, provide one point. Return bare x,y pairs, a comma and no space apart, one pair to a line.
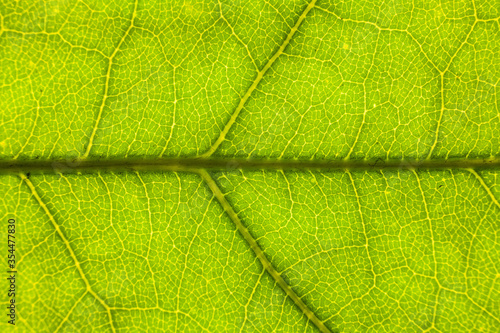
375,206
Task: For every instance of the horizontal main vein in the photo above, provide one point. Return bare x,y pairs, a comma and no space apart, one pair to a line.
259,253
228,164
257,80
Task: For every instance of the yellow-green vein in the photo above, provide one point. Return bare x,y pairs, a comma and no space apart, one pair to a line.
68,247
257,80
106,83
486,188
259,253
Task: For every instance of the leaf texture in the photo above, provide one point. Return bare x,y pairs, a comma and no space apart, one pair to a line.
128,135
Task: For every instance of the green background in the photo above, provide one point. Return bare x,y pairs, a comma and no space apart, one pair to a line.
401,250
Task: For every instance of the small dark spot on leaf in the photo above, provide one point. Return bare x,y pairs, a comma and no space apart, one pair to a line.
285,278
440,186
378,162
28,175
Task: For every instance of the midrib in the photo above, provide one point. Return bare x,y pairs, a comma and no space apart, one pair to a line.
228,164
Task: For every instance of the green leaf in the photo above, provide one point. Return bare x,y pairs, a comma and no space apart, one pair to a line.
251,166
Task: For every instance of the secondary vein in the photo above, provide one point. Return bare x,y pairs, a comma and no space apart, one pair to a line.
257,80
69,248
106,83
259,253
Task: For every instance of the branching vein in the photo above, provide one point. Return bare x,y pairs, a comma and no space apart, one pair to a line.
259,253
69,248
106,83
257,80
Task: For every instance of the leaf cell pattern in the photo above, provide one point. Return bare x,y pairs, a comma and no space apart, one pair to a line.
241,249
